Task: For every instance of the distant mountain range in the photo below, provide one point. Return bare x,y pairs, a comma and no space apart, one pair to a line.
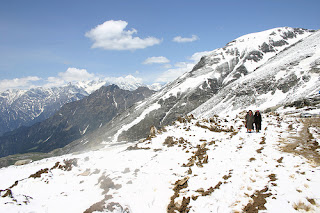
26,107
72,121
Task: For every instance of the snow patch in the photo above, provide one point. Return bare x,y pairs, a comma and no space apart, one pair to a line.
136,121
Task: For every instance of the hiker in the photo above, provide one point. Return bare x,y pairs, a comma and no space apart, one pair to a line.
249,121
257,120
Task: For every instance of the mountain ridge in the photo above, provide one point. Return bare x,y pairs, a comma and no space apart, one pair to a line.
27,107
72,121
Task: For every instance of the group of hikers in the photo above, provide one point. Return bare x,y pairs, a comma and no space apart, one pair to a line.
253,119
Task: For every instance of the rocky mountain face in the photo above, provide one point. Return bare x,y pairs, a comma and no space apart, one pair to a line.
24,108
72,121
27,107
289,78
265,63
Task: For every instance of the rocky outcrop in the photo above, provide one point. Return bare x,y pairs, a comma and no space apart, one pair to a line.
22,162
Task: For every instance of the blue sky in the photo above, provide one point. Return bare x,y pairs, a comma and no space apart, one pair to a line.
46,42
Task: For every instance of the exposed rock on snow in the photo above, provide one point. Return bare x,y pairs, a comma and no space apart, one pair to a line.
204,169
22,162
285,78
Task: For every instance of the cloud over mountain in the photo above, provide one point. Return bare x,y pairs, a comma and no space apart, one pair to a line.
156,60
70,75
111,35
181,67
180,39
18,82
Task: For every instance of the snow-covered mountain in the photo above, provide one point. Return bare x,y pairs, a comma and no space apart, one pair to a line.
72,121
259,70
26,107
203,164
290,75
194,165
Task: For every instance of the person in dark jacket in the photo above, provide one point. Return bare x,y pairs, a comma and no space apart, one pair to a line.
257,120
249,121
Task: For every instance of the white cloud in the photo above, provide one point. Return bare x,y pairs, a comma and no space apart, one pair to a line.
70,75
181,64
197,56
172,74
111,35
18,83
181,67
180,39
156,60
54,82
167,66
74,74
155,86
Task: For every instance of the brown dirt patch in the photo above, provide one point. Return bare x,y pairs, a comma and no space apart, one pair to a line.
186,119
135,147
280,160
39,173
174,206
259,150
169,141
113,206
216,127
259,200
106,184
15,184
263,140
8,193
304,139
272,177
252,159
67,165
99,206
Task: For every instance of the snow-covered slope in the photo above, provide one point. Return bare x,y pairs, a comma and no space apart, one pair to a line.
291,75
209,165
239,58
214,73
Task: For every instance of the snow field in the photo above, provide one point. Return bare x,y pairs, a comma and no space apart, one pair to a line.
224,168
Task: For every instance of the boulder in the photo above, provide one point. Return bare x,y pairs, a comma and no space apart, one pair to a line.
22,162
